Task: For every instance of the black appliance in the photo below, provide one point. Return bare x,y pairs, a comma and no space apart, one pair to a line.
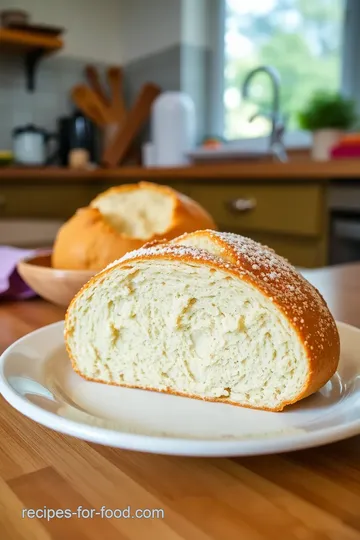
77,131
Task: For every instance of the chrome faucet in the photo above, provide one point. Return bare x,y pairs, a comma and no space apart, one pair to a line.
277,123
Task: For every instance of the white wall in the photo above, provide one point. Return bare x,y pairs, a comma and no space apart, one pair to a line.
148,26
94,27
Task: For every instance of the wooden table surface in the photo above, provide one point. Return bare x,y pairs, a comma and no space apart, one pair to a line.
307,495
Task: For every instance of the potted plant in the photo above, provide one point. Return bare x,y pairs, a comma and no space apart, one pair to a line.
327,115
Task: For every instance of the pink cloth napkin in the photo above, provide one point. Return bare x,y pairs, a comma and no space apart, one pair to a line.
12,287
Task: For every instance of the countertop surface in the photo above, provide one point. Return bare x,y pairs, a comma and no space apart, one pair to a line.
302,170
306,495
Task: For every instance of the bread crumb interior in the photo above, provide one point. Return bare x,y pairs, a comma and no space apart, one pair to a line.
140,213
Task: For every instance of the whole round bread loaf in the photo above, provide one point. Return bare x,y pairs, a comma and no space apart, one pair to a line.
122,219
208,315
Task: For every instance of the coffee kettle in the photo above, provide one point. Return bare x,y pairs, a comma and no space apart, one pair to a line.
31,145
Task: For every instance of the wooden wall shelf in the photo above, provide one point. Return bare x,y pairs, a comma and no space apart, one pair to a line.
33,46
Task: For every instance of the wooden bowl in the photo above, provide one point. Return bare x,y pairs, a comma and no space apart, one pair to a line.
57,286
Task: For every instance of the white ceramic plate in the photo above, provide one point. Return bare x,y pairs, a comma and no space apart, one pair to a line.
36,378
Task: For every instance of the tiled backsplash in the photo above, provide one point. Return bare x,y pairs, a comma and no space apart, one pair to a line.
56,75
54,78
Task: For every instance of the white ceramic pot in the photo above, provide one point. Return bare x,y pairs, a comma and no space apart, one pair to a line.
323,141
30,145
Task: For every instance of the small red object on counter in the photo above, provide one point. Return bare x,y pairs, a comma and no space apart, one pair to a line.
348,147
345,152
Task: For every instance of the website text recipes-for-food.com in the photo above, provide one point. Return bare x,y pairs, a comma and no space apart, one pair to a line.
82,512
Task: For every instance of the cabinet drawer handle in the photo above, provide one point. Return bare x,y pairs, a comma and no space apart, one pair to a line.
241,205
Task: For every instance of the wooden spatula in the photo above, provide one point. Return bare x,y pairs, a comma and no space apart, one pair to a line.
117,105
91,105
135,118
93,78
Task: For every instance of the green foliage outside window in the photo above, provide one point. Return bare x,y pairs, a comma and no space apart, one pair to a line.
300,38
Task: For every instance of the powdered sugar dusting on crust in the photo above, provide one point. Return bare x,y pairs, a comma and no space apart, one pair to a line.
176,250
164,249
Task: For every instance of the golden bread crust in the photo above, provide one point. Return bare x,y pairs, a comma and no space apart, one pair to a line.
300,302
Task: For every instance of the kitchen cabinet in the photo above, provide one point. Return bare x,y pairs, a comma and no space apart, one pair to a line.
28,233
289,216
55,200
275,208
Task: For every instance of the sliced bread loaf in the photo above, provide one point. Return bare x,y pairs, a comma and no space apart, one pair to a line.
208,315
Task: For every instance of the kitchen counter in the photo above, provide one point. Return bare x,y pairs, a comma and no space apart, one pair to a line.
306,494
306,170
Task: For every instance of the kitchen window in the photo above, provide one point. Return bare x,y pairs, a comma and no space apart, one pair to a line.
307,41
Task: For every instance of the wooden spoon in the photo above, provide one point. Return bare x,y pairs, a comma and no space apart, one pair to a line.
116,150
115,80
93,78
91,105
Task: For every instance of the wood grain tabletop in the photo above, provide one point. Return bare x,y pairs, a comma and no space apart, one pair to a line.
306,495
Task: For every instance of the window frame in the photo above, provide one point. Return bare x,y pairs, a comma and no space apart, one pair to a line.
300,139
